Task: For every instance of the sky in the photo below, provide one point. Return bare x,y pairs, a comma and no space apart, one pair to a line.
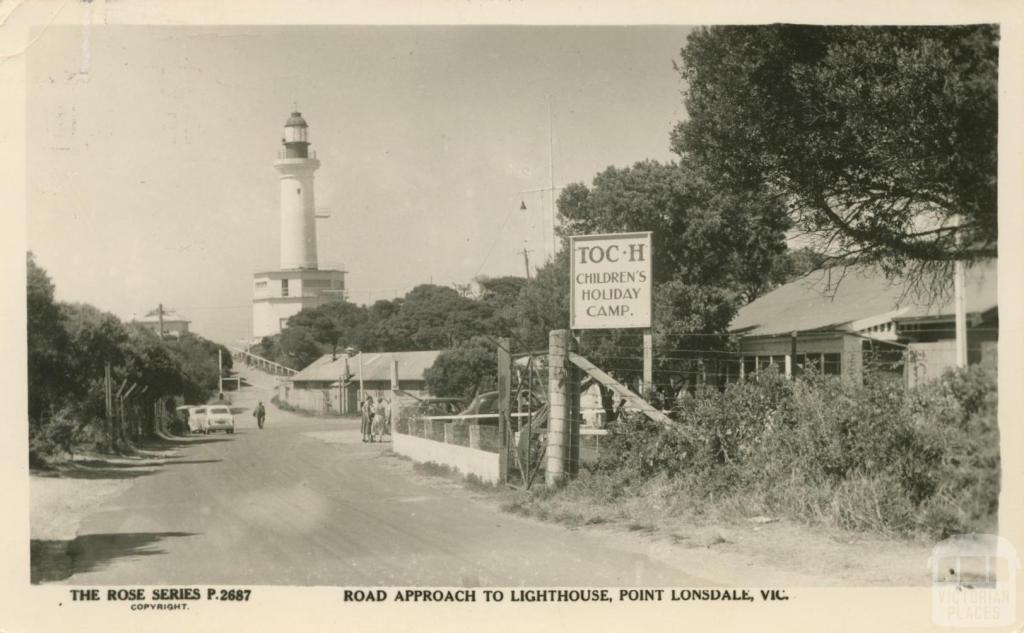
150,151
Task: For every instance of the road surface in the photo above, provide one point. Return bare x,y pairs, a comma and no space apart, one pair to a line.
305,502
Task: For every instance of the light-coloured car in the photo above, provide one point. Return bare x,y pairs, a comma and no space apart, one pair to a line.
219,418
196,418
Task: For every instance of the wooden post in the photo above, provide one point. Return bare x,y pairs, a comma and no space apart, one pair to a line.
362,395
504,359
395,406
108,393
558,401
572,393
960,312
791,359
648,364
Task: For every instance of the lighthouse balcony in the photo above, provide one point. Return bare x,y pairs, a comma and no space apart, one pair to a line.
285,154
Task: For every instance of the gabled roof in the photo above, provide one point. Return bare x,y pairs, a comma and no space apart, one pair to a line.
833,298
375,366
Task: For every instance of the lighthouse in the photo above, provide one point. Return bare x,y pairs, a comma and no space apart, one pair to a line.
299,282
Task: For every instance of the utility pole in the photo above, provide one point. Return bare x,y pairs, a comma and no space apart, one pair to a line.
551,183
160,313
526,260
220,372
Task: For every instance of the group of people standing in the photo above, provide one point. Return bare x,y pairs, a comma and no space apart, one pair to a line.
376,419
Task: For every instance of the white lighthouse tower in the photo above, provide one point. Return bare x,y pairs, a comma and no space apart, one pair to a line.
299,283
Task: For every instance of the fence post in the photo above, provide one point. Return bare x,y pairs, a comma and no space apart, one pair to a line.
558,413
504,405
108,394
573,411
648,380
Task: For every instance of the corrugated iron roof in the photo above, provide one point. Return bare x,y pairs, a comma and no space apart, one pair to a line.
830,299
375,366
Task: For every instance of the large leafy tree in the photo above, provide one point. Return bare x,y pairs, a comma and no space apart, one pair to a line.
437,317
298,346
880,140
465,370
501,295
334,325
543,305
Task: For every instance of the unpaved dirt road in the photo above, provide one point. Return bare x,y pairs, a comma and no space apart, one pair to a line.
305,502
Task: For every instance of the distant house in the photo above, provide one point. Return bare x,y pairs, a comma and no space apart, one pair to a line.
844,321
331,383
173,323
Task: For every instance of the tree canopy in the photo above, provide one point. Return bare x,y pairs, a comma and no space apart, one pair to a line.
880,140
464,371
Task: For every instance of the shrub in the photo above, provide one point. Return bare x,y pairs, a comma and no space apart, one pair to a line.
872,456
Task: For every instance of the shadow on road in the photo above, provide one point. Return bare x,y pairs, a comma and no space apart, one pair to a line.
195,461
180,442
58,560
104,470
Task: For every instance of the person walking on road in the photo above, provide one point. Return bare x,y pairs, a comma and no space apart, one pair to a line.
367,412
260,414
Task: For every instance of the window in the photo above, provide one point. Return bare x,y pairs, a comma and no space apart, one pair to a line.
284,287
749,367
832,364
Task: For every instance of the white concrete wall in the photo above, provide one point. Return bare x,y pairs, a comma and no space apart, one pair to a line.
464,459
267,315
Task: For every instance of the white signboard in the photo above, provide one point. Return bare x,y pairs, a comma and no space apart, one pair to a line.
611,281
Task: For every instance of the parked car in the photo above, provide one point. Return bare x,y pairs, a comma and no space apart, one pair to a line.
483,403
440,406
219,418
195,418
487,402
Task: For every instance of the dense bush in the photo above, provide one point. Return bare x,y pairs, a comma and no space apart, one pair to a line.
69,346
873,456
